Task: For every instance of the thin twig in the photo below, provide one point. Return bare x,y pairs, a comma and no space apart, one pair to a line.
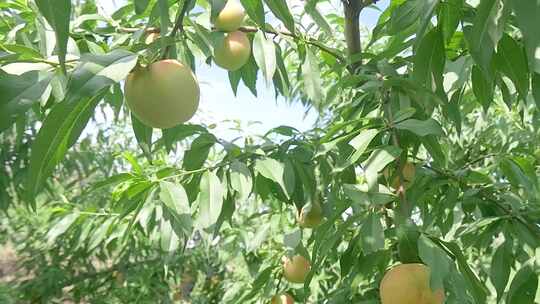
178,25
479,159
251,29
308,40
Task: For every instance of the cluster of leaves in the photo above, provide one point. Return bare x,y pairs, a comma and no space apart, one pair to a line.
114,214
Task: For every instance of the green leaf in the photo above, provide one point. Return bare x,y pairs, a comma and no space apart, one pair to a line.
249,75
450,15
426,14
477,225
434,148
523,287
145,216
18,93
111,180
293,239
408,245
255,10
311,9
436,259
210,200
515,174
100,233
429,61
197,154
61,227
281,11
483,87
273,170
500,268
475,286
140,6
241,180
403,114
66,121
289,177
527,16
58,13
262,278
511,60
536,88
234,80
178,133
260,236
312,77
281,77
507,97
143,134
99,71
486,31
360,144
174,197
454,113
404,16
169,240
421,127
378,159
525,234
264,52
361,196
372,233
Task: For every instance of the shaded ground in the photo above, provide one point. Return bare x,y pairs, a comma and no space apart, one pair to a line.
8,263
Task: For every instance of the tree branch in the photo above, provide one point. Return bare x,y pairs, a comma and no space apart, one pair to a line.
178,25
352,10
251,29
308,40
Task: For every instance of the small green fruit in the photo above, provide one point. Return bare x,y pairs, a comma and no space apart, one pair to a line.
163,94
310,216
231,16
408,246
234,52
409,284
295,270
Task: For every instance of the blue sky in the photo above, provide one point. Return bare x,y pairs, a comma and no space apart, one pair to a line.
218,102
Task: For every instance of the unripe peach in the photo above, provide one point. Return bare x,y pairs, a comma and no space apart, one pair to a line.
295,270
151,38
234,52
118,277
310,216
282,299
409,284
177,296
163,94
408,171
231,16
